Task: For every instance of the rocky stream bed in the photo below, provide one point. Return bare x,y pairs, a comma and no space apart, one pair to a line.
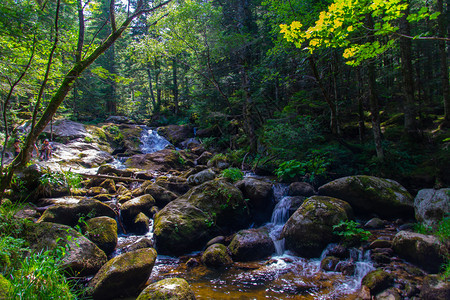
159,222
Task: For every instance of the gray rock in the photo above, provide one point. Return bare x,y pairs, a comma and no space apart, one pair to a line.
368,194
432,205
251,244
426,251
300,189
201,177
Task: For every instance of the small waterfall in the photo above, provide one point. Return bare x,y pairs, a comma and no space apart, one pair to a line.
151,141
280,215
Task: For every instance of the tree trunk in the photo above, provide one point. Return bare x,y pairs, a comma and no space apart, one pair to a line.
443,32
408,81
375,111
175,84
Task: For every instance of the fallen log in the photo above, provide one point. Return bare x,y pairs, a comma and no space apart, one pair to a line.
117,178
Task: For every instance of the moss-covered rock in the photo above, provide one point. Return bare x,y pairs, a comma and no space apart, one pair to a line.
377,281
188,222
251,244
368,194
140,224
168,289
103,232
5,288
435,288
133,207
201,177
176,184
310,228
70,214
161,195
260,198
124,275
424,250
216,256
109,185
83,256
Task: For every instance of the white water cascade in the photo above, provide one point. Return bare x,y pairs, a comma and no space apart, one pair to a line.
151,141
280,215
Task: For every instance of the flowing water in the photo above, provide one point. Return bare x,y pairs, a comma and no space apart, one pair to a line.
282,276
151,141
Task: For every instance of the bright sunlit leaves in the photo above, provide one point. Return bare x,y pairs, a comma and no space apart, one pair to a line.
344,25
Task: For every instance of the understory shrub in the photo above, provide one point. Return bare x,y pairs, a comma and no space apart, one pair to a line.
234,174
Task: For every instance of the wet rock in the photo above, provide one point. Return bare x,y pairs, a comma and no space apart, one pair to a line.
379,243
216,256
109,185
204,158
189,221
377,281
176,133
300,189
162,161
368,194
102,197
435,288
260,195
310,228
161,195
96,190
169,288
83,256
389,294
140,224
381,255
176,184
133,244
251,244
70,214
103,232
338,250
424,250
201,177
217,240
133,207
346,267
329,263
431,205
124,275
374,223
192,262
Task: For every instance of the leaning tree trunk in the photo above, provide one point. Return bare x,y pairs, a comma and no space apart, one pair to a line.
62,91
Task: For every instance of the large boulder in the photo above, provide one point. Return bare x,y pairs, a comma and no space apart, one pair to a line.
133,207
216,256
368,194
65,130
124,275
161,195
176,184
103,232
260,198
310,229
301,189
432,205
188,222
70,214
83,256
426,251
251,244
176,133
168,289
377,281
162,161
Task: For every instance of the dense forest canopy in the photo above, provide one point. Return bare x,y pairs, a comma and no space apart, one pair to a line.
336,87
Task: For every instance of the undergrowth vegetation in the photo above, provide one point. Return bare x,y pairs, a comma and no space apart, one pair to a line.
29,274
